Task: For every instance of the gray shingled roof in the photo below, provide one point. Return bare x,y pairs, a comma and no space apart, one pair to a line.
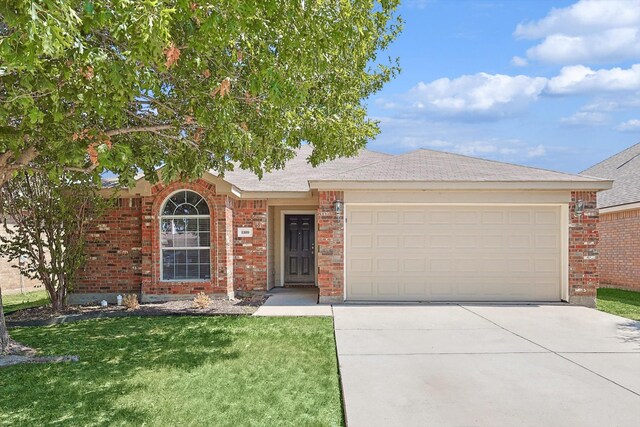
624,169
298,172
431,166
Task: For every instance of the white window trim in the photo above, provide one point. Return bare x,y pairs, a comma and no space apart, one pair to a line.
161,217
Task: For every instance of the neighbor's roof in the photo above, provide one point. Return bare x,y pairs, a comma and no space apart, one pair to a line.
624,169
438,166
298,172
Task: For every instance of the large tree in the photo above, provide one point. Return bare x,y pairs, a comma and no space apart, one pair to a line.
191,85
128,85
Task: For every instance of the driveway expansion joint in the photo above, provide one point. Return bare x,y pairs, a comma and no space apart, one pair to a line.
554,352
447,353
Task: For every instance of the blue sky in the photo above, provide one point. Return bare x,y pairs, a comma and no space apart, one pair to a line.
551,84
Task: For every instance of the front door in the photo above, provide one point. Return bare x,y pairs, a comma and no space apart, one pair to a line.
299,249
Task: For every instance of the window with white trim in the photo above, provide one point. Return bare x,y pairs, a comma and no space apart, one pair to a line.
185,237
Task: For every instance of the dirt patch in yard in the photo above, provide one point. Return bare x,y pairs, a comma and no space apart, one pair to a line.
185,307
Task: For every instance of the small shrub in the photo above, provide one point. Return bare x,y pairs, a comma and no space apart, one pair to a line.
130,301
202,300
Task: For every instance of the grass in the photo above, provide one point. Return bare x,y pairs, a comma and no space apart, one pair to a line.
619,302
17,302
188,371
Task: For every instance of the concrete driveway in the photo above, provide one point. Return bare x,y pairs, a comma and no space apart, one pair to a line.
487,365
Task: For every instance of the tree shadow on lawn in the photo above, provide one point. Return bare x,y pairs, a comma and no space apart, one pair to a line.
630,332
113,353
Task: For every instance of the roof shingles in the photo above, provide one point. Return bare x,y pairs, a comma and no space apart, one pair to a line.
297,172
430,165
369,166
624,169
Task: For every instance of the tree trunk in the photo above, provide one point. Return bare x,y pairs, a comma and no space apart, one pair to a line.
4,334
58,305
56,302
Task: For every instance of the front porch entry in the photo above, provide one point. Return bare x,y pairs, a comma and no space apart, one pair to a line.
299,250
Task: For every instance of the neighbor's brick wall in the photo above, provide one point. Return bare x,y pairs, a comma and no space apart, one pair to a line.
250,253
583,249
619,264
330,247
113,249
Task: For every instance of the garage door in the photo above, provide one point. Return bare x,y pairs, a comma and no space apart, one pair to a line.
453,253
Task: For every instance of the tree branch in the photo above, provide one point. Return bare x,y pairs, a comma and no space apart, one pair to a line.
123,131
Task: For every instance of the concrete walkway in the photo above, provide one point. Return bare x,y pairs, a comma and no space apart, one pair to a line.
293,302
487,365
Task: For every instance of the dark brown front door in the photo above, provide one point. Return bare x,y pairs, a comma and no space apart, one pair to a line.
299,249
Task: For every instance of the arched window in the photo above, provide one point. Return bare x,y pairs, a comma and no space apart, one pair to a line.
185,237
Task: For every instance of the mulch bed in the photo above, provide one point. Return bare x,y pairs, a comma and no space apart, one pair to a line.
40,316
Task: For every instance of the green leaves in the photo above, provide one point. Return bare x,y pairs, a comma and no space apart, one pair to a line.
88,7
229,81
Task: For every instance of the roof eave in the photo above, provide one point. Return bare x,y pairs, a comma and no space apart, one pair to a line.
597,185
618,208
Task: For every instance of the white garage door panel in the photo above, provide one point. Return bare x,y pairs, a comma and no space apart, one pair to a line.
446,253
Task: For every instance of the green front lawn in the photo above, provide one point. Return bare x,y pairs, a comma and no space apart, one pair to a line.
619,302
17,302
188,371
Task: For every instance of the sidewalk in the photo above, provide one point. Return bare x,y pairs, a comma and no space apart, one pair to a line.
293,302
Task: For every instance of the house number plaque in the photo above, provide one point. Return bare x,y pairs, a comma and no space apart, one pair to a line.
245,231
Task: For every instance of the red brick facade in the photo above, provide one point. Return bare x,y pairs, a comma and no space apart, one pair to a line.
330,247
250,257
583,249
114,257
124,247
619,248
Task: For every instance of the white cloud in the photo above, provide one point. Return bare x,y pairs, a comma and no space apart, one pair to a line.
585,118
613,45
582,17
509,150
632,125
578,79
519,62
404,134
537,151
586,32
480,95
609,103
486,96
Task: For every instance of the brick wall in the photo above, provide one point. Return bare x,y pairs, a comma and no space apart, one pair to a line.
619,264
250,253
583,249
223,261
330,247
113,248
124,247
152,284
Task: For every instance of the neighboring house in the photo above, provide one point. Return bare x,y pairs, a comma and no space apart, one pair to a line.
11,281
421,226
619,227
